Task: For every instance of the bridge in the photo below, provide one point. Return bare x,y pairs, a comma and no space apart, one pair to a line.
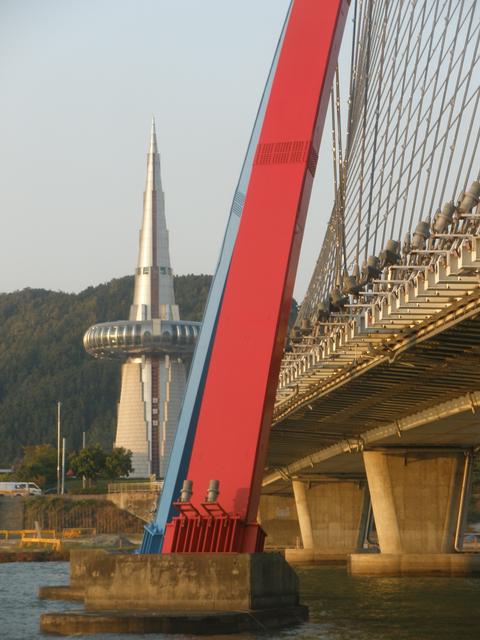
368,411
380,382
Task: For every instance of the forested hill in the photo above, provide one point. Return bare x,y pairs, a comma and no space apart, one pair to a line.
42,360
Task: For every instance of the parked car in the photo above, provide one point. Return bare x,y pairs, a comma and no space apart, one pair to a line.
19,489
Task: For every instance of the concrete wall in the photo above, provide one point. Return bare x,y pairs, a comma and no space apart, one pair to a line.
337,514
11,512
278,517
140,503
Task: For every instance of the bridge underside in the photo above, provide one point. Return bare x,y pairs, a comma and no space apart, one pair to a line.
426,394
379,388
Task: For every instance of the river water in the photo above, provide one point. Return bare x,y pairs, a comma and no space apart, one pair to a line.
342,607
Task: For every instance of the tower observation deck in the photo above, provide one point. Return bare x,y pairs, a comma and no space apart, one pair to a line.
153,343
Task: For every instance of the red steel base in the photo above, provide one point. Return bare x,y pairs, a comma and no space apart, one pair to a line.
212,531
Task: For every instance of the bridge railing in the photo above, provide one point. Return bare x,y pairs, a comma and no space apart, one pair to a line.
403,296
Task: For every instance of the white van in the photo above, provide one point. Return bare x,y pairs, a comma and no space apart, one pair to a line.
19,489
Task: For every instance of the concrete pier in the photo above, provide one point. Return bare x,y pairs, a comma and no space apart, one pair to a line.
331,520
417,499
181,593
303,513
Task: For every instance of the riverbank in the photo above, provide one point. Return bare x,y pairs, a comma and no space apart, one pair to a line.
21,555
15,551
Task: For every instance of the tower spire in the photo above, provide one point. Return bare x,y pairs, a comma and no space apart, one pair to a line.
153,296
153,138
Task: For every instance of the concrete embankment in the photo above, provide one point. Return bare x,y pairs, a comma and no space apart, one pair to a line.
95,512
63,512
58,524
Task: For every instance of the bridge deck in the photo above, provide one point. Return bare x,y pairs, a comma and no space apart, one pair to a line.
369,389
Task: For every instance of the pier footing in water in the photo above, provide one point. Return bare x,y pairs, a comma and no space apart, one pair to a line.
198,623
204,593
415,564
313,556
61,592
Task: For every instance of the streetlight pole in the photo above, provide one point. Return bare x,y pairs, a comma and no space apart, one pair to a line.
59,406
64,443
84,480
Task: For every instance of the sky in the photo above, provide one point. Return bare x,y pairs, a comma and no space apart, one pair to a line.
80,81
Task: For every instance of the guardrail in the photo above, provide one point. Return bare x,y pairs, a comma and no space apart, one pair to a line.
32,536
45,536
55,543
26,534
135,487
77,532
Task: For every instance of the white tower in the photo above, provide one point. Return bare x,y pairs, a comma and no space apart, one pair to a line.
153,341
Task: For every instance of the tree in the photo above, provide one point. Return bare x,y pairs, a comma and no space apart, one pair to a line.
89,462
119,463
42,360
39,464
476,472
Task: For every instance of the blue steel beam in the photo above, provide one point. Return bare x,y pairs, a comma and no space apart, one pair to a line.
182,447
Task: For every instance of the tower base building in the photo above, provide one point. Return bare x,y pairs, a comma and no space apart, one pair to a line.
150,444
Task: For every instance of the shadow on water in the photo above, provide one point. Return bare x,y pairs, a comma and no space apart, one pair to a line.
342,607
